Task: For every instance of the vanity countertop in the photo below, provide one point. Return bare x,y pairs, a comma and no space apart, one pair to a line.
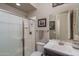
65,49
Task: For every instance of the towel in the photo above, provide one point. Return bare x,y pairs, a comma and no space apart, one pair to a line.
41,34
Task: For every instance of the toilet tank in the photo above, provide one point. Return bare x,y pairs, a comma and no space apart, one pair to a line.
40,46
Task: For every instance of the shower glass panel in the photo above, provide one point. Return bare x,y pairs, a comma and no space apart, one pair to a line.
10,34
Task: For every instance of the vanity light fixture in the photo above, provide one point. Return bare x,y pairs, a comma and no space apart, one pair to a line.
18,4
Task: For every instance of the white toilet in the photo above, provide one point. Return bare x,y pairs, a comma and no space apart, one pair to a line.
40,49
40,46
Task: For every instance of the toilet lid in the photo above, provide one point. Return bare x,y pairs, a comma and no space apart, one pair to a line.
40,43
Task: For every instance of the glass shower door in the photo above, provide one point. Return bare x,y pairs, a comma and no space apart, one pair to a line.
10,35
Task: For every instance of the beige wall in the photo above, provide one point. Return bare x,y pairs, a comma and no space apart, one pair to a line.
46,9
42,12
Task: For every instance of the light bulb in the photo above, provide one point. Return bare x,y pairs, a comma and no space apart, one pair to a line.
18,4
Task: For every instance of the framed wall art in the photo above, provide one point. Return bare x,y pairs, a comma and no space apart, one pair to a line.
42,22
56,4
52,25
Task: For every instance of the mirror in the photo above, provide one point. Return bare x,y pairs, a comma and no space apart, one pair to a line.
52,27
64,28
77,21
76,24
60,26
66,25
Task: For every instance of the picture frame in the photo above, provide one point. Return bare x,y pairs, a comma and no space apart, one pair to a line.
42,22
56,4
52,25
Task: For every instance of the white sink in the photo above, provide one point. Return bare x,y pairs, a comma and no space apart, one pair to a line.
75,44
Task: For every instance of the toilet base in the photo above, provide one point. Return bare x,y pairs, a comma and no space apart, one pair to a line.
37,53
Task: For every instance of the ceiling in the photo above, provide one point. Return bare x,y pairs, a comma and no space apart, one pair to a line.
26,7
